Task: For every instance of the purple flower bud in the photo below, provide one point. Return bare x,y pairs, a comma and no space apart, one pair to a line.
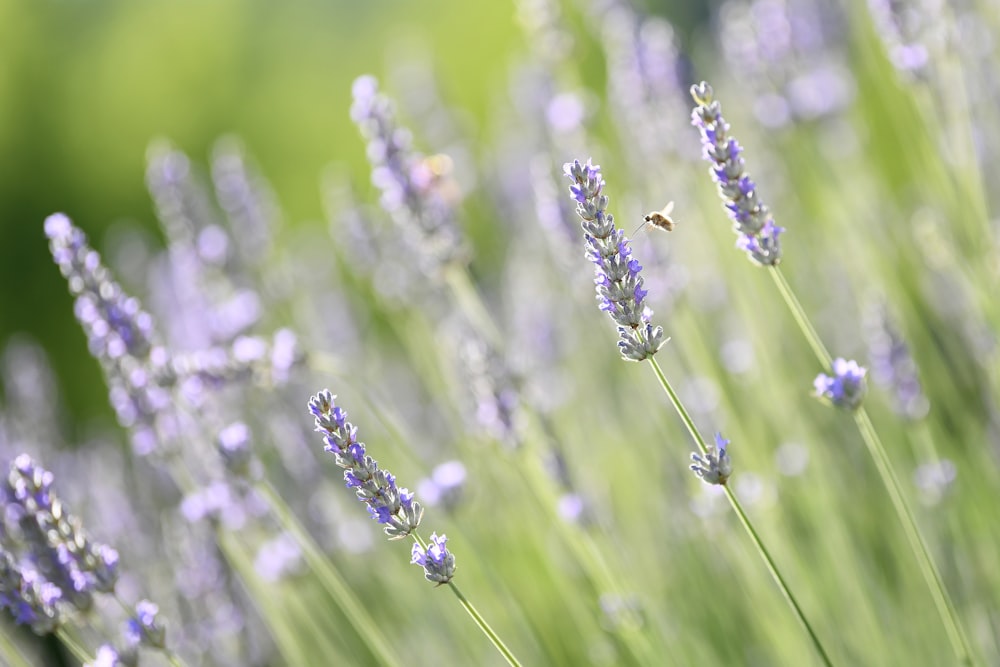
845,388
437,561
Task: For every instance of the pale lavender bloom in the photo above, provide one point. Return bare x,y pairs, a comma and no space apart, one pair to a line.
618,279
38,526
572,507
444,487
908,29
106,656
28,596
845,388
144,627
233,444
934,479
391,506
789,54
246,198
644,85
437,561
715,467
278,557
491,384
120,334
892,365
752,221
114,322
416,191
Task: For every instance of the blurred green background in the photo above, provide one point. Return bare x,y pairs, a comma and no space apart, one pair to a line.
85,86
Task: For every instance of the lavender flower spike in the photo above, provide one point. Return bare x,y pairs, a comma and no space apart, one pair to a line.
437,561
51,541
387,504
752,221
715,467
619,285
411,192
845,388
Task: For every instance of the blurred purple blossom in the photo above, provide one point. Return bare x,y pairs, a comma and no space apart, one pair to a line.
845,388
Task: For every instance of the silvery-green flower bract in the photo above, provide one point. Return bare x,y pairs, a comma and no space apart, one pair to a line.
715,467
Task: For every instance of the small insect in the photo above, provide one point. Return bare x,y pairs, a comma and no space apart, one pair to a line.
659,219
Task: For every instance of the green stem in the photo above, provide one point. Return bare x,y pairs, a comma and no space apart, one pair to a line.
470,301
799,313
765,555
9,655
942,600
75,648
485,627
331,579
477,617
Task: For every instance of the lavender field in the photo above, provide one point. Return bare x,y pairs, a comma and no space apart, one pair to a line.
531,333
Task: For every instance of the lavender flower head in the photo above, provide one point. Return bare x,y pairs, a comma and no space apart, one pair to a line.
715,467
106,656
412,191
52,542
437,561
845,388
144,628
120,335
48,565
28,596
618,281
752,221
394,507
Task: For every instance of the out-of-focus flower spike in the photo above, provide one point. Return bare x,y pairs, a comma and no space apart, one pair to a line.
416,190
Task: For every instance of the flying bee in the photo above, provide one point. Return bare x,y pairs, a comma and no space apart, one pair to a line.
659,219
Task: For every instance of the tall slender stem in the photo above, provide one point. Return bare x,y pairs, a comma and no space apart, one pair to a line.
765,555
932,576
10,654
485,627
331,579
507,654
74,647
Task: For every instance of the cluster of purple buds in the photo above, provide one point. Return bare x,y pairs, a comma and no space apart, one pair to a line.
143,629
892,364
715,467
45,556
437,561
391,506
120,334
752,221
618,279
492,386
845,388
412,186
